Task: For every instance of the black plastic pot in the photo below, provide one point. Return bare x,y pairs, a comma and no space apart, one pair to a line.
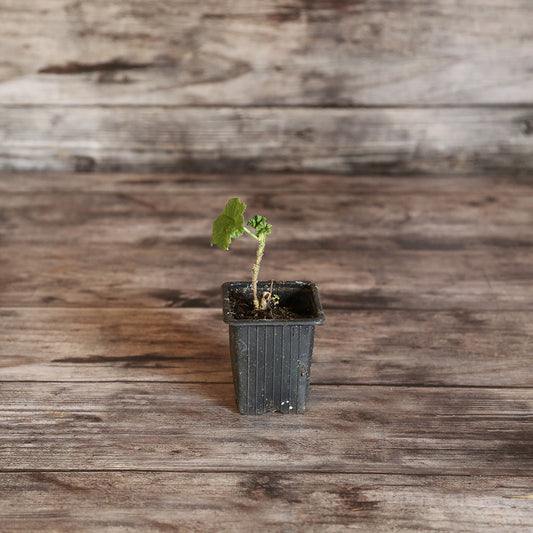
271,359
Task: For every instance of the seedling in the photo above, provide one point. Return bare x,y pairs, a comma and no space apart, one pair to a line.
230,225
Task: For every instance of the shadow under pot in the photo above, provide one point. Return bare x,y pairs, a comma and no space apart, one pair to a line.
271,357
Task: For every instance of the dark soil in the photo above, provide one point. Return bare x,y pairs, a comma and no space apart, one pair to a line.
242,308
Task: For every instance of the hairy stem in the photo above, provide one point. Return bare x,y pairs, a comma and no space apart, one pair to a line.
255,271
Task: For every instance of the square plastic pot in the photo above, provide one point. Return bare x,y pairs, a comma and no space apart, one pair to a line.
271,359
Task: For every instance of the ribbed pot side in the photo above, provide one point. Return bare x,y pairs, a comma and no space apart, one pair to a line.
271,359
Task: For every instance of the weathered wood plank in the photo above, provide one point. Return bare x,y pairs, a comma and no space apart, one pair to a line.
164,426
266,52
277,501
446,243
262,186
109,345
364,347
349,275
253,139
490,216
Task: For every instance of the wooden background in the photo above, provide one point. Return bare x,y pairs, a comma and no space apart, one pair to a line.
387,86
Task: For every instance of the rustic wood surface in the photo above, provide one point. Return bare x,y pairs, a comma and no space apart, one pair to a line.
116,402
430,86
392,140
267,52
259,501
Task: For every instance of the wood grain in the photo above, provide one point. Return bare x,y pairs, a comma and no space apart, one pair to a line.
266,52
263,186
378,140
117,409
168,426
446,348
238,502
190,276
331,86
443,244
482,215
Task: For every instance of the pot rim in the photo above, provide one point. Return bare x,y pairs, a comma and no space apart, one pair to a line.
318,316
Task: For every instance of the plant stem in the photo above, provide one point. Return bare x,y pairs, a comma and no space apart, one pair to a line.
251,234
255,271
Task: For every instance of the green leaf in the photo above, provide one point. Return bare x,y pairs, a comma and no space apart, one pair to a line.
260,225
230,224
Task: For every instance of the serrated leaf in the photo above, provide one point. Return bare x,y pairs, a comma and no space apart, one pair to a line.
230,224
260,225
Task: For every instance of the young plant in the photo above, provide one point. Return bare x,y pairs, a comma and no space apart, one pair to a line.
230,225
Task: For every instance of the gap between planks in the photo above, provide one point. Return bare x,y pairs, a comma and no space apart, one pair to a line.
518,105
259,471
312,384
